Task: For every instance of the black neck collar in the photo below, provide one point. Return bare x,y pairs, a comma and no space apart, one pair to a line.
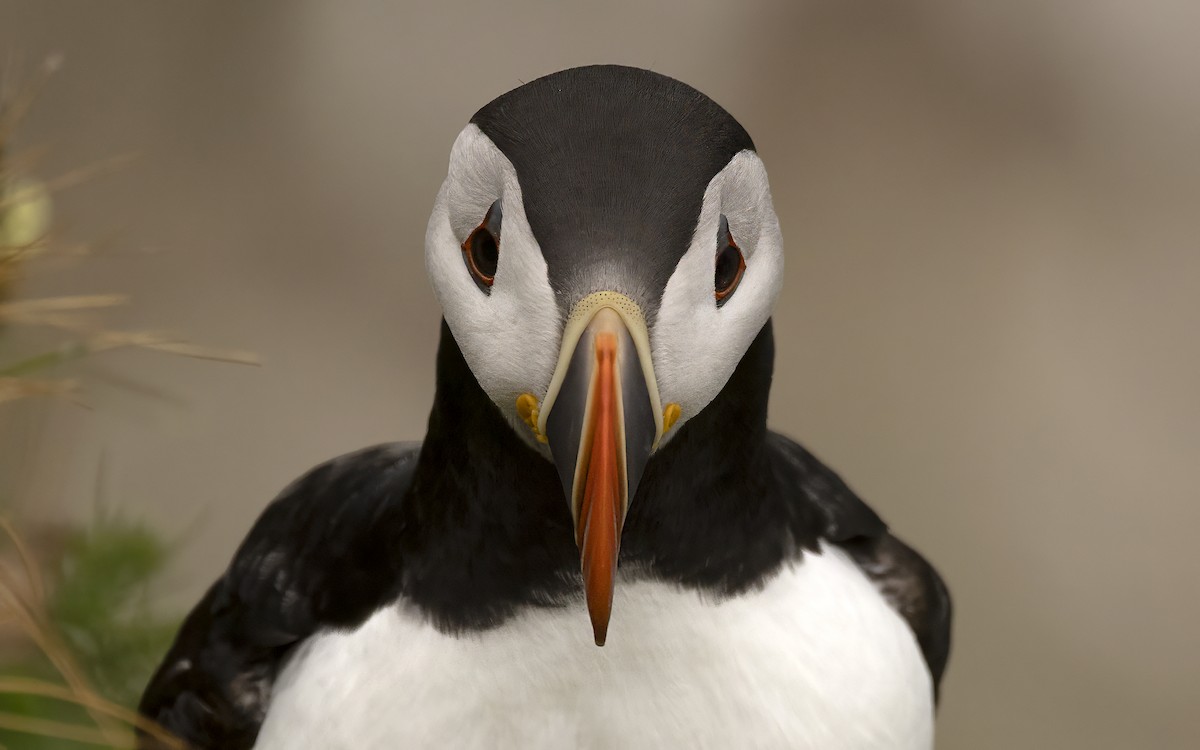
487,529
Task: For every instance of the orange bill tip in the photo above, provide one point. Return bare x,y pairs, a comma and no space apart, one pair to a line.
598,530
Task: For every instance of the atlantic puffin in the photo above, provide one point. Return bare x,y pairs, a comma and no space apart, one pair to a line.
597,471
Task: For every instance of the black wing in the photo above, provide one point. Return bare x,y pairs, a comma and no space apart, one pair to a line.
910,584
321,555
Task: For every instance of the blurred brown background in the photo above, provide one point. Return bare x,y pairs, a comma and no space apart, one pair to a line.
989,324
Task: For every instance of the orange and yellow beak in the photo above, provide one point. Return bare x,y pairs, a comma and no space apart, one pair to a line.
602,420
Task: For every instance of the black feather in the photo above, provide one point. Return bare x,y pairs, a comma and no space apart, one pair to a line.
474,527
319,556
613,163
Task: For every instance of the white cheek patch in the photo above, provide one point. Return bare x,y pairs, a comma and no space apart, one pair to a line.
696,344
509,337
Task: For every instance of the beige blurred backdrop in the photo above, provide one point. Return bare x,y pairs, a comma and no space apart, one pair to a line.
989,323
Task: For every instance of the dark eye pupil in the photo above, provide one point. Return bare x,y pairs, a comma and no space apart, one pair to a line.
729,266
485,253
728,262
481,249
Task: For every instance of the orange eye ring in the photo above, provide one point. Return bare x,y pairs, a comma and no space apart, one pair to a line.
481,249
730,266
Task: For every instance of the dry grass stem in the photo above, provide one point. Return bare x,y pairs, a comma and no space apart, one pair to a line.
64,731
34,624
27,686
12,311
29,614
213,354
23,604
37,586
13,389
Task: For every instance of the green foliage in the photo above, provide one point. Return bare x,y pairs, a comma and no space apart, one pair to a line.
39,708
100,606
94,638
98,603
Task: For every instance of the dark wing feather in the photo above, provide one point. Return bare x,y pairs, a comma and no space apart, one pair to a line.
915,590
321,555
910,584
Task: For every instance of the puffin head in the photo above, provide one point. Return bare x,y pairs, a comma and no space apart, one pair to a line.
605,251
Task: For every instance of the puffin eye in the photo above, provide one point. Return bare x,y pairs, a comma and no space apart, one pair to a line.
481,249
730,264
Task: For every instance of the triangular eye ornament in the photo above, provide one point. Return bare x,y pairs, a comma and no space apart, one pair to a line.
481,249
730,264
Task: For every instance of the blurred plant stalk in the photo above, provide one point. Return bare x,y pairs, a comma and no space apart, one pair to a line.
79,642
94,584
26,236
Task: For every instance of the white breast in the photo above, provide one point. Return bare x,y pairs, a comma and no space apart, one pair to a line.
816,659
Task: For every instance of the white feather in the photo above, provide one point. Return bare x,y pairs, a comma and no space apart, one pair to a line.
696,344
815,659
509,337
